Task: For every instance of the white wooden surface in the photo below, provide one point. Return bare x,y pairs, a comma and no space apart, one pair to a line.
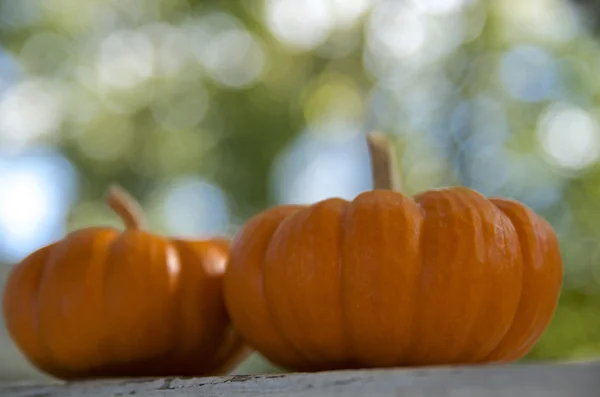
540,380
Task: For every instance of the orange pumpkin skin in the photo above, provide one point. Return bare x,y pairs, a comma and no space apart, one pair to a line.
104,303
449,277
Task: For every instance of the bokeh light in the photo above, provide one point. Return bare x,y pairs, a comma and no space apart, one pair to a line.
570,136
298,174
37,190
195,208
528,73
125,59
242,65
29,110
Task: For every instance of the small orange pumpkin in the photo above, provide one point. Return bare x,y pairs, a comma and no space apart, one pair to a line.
447,277
105,303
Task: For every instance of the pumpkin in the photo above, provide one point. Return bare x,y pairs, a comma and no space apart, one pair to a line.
446,277
109,303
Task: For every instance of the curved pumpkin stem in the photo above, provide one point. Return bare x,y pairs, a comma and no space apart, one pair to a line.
124,205
383,162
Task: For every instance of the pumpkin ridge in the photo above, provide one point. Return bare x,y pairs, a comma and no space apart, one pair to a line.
346,324
244,276
450,233
424,278
43,277
541,223
199,253
100,254
119,260
320,321
484,221
522,247
35,308
529,225
412,352
322,232
381,268
173,353
101,290
402,199
473,218
108,339
175,298
269,310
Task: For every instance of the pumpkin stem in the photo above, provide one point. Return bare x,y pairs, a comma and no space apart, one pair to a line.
383,162
124,205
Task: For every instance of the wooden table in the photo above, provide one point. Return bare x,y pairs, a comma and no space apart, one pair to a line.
521,380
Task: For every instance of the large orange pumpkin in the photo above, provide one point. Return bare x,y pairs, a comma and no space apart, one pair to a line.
446,277
105,303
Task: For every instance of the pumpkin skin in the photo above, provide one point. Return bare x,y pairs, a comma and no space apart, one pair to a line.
106,303
446,277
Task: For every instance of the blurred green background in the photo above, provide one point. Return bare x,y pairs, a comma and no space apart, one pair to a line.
210,111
